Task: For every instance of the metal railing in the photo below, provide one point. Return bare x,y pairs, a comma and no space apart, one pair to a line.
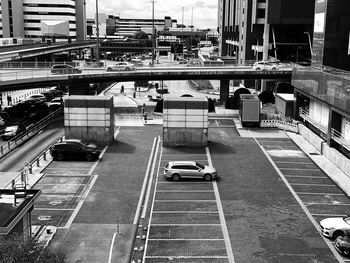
23,175
27,134
339,138
305,114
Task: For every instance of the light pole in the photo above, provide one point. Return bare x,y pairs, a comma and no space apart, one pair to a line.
153,33
97,36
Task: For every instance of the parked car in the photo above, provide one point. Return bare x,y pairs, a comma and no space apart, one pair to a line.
264,65
56,104
335,226
48,95
120,66
189,169
39,97
74,149
56,92
65,69
12,131
342,244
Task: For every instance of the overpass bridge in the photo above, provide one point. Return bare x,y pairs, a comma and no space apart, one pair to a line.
24,79
22,52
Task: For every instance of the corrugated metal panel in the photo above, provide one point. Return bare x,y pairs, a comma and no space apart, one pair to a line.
196,111
176,112
88,117
198,118
174,118
195,125
88,101
175,124
86,123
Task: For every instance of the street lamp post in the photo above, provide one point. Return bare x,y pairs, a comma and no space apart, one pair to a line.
97,36
153,33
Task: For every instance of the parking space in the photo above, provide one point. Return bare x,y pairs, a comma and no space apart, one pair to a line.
221,122
63,187
319,194
185,221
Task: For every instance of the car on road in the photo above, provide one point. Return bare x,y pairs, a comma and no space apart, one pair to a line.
74,149
335,226
56,103
265,65
65,69
39,97
176,170
12,131
122,66
342,244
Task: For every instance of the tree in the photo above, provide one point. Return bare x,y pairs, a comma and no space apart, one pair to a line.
140,35
14,249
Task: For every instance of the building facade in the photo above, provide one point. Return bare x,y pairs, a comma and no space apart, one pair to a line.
32,19
322,91
263,29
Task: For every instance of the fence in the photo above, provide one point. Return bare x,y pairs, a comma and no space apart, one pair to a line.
283,125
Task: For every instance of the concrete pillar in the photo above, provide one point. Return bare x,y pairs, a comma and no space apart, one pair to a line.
266,35
224,90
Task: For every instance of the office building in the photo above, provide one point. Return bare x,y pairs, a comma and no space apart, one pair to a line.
322,91
263,29
61,19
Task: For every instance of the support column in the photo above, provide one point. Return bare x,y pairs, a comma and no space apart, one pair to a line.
224,90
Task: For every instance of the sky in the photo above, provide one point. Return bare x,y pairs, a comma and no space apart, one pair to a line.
204,12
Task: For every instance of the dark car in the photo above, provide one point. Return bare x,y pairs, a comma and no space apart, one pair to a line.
74,149
64,69
48,95
342,244
12,131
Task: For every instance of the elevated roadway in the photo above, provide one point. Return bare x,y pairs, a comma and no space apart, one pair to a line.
22,79
38,50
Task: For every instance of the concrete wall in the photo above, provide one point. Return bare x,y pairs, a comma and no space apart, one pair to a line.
330,153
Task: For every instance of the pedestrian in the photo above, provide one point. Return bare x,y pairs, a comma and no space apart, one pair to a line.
122,89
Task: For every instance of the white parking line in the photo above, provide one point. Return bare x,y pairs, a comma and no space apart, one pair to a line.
185,212
335,204
185,224
294,162
186,257
49,208
221,215
307,193
195,183
185,191
325,185
180,200
186,239
330,215
65,184
305,176
65,175
299,169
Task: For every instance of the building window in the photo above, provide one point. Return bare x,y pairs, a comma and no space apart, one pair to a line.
260,13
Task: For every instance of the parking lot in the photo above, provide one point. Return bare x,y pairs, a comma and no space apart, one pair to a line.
186,217
318,193
63,189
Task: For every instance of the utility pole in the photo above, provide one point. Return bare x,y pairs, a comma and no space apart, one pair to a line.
153,33
97,36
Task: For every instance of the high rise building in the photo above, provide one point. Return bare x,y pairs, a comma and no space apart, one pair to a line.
43,18
260,29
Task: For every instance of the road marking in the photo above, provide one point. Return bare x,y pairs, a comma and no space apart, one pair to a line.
185,257
331,215
65,184
111,248
221,215
196,183
325,185
300,202
307,193
186,239
217,123
311,203
305,176
185,191
65,175
50,208
185,212
180,200
185,224
74,214
295,162
299,169
97,161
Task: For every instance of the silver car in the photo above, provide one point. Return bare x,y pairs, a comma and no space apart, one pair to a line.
265,65
189,169
122,66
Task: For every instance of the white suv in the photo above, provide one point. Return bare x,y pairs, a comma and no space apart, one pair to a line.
265,65
189,169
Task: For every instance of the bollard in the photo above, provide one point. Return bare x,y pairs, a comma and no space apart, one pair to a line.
1,150
30,169
9,145
44,156
38,162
